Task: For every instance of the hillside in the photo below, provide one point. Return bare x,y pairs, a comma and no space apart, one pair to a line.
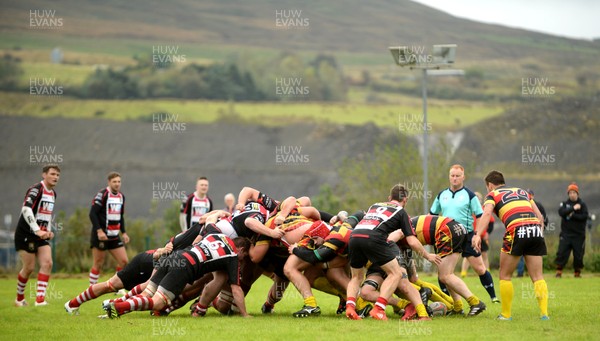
157,165
358,27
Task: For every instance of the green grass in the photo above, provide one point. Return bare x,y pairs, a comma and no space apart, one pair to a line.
571,308
442,114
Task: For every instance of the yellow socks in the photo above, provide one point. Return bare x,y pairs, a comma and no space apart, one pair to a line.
310,301
473,300
322,284
402,303
458,305
421,311
541,293
506,296
435,289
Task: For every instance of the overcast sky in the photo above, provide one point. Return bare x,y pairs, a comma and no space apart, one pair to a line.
567,18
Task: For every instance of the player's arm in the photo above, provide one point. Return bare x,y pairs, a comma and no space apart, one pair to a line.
183,214
285,208
310,212
122,226
435,207
238,297
259,251
482,225
98,205
260,228
320,255
538,214
233,271
246,194
416,245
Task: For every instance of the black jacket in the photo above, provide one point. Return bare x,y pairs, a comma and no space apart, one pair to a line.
573,222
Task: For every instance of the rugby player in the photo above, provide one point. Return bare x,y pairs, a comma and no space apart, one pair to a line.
34,230
216,252
331,253
447,236
195,205
368,242
524,236
106,215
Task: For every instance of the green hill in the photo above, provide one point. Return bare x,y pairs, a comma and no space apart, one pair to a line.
362,29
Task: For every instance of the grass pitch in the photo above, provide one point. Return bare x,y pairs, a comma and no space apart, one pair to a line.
571,306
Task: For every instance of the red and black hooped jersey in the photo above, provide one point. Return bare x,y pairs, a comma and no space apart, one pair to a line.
213,247
513,206
41,201
386,217
195,207
107,212
216,252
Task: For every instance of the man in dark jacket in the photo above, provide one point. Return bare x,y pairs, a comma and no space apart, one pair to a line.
574,216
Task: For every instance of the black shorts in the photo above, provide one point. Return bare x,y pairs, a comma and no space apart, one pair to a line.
275,263
524,240
485,246
366,245
137,271
404,258
450,239
113,243
174,272
468,250
28,242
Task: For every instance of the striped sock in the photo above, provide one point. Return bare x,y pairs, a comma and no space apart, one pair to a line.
200,309
94,275
21,284
85,296
351,303
381,303
42,286
137,303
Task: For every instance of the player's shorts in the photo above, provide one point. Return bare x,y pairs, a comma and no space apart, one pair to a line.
524,240
450,239
468,250
174,272
28,242
274,262
404,258
103,245
137,271
485,245
366,245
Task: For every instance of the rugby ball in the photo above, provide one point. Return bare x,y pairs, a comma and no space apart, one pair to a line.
438,309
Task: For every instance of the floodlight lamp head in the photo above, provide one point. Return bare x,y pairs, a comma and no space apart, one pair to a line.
444,54
403,56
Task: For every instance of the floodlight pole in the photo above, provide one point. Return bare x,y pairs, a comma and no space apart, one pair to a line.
425,144
445,55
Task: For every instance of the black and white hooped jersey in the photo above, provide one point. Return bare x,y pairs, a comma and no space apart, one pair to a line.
41,201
